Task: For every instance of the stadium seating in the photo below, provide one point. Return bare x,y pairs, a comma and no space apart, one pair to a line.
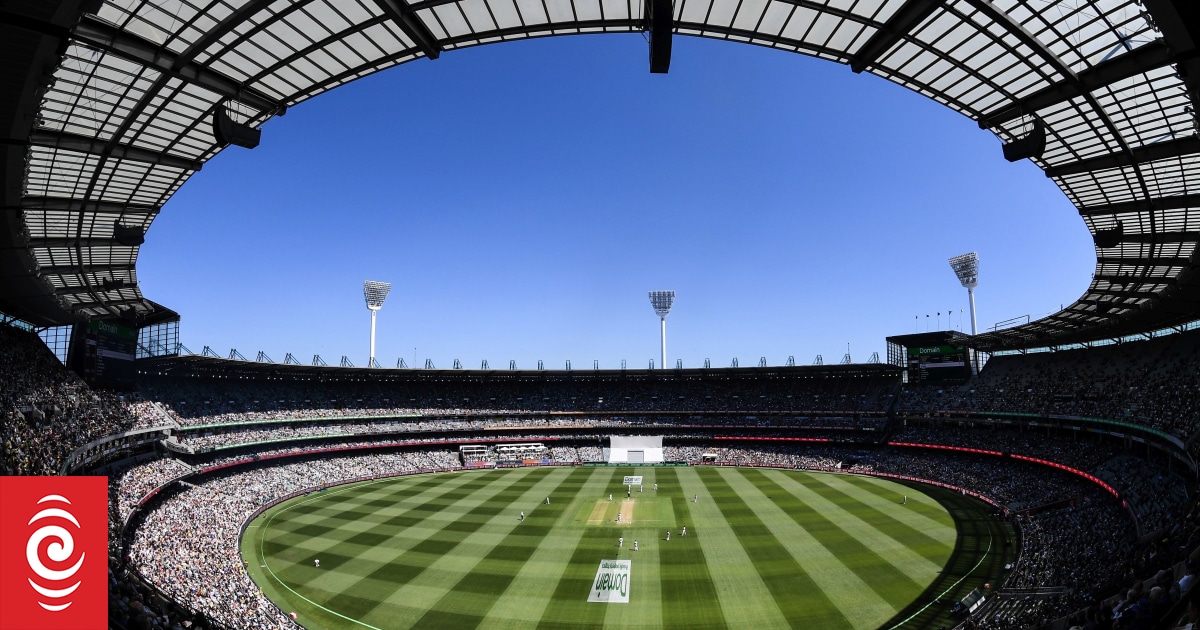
256,441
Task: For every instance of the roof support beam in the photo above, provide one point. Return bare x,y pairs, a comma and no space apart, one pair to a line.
1127,292
109,304
902,22
94,269
94,290
73,242
111,40
406,19
1148,153
1162,237
1173,202
80,205
1127,280
211,36
1143,262
84,144
1110,302
1134,62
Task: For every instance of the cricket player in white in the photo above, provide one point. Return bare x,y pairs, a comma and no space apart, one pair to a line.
620,542
317,563
684,531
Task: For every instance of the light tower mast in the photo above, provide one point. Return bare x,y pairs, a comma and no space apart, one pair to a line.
375,293
662,302
966,267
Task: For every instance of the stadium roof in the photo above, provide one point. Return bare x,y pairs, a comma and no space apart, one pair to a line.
108,107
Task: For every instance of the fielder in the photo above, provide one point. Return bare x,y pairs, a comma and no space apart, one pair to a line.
635,545
668,534
620,542
684,531
522,516
317,563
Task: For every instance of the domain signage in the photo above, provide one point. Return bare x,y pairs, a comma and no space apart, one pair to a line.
103,352
931,364
611,585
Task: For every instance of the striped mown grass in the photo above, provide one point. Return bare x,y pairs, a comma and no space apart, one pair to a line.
764,548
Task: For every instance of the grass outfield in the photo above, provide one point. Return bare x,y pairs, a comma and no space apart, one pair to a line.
764,549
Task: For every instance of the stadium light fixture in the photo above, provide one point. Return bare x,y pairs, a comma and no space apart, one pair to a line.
662,301
966,267
375,293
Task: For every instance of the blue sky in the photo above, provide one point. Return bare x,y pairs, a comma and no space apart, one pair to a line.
524,197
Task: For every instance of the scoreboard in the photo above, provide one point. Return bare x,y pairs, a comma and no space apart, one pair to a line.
935,364
103,353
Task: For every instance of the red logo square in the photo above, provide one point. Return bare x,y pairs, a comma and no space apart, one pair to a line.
54,553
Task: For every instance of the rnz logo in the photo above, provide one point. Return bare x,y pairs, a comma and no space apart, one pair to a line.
54,550
60,550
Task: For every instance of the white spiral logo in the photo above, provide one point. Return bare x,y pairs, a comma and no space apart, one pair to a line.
59,551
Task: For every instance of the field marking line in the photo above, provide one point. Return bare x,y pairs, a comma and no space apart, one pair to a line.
263,558
991,539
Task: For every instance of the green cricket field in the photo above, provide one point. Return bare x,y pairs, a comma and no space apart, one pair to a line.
764,548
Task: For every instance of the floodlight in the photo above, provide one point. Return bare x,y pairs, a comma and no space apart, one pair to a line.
375,293
966,267
662,301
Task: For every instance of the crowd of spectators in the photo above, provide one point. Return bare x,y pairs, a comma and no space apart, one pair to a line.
1075,536
200,440
46,411
196,399
191,539
128,487
134,606
1155,494
433,419
188,546
1155,383
1085,452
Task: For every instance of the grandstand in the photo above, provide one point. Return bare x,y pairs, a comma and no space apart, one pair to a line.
1080,435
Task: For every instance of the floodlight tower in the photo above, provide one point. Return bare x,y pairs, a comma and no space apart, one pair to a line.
662,302
966,267
375,293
